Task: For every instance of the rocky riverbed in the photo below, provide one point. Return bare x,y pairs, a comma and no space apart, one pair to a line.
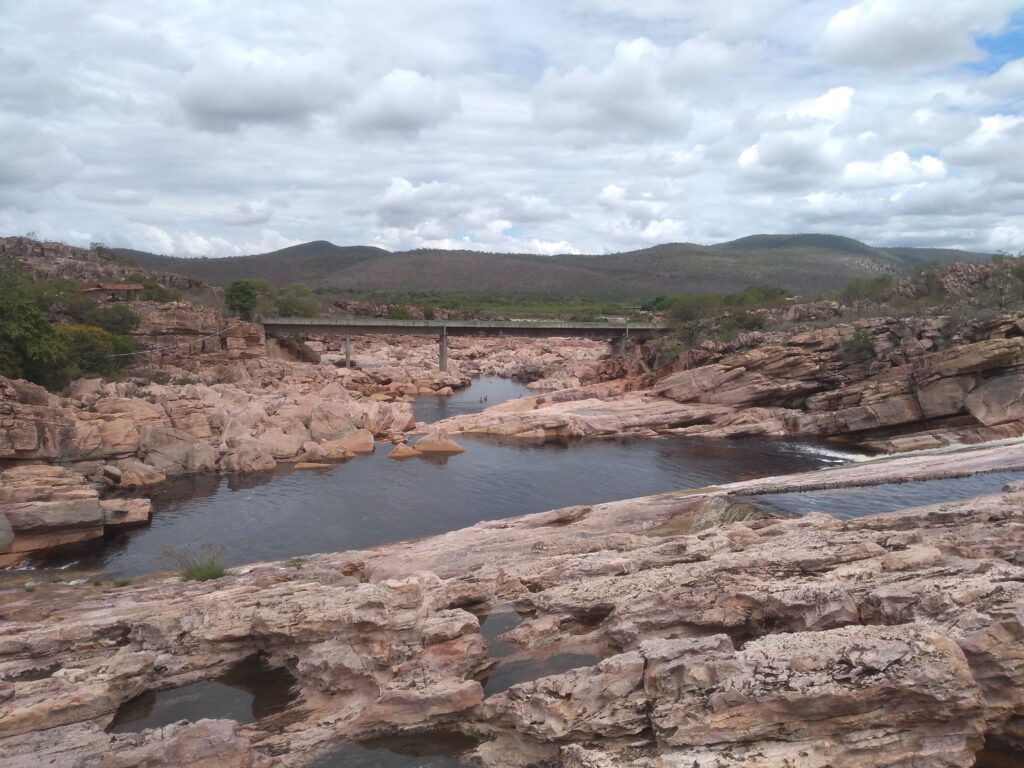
709,634
888,385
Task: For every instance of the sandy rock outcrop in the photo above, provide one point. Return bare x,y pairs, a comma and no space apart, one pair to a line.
46,507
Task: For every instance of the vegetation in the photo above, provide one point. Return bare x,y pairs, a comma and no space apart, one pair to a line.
116,319
297,300
859,346
806,263
153,291
33,347
241,297
205,565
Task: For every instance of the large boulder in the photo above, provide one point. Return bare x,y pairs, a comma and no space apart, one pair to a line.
32,428
998,400
175,452
248,457
126,511
279,445
357,441
945,397
135,474
331,421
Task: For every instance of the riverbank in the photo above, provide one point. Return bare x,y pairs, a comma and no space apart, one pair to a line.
726,637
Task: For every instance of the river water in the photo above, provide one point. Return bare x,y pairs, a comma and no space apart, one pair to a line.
373,500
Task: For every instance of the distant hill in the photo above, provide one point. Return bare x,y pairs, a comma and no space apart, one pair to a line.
808,263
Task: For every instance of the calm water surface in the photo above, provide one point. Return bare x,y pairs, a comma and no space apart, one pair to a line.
373,500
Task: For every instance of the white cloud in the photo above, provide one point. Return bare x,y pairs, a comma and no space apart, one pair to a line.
627,97
548,127
232,86
895,34
404,101
894,168
832,106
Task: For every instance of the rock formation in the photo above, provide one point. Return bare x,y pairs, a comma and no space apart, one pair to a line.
917,389
887,640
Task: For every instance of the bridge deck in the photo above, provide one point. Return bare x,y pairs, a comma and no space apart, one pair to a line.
371,325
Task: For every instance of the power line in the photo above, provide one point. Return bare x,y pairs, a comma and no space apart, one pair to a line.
188,343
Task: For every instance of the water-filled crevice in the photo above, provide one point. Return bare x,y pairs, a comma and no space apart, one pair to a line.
437,749
247,691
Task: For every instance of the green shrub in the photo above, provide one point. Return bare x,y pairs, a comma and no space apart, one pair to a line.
399,312
153,291
867,289
204,566
118,319
297,301
860,345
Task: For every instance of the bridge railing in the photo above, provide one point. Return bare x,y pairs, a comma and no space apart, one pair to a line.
372,322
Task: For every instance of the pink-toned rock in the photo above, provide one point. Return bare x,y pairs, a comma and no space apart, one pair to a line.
402,451
437,441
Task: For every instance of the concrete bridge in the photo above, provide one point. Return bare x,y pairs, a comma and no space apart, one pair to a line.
616,333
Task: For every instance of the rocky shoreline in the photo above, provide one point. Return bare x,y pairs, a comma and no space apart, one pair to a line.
886,385
728,638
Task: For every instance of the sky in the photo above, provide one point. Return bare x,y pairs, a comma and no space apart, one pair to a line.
223,127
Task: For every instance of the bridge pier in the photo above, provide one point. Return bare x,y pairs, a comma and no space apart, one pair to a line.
618,346
442,350
348,351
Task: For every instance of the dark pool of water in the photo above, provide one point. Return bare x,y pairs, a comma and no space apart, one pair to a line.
430,408
495,624
434,750
373,499
509,673
248,691
995,757
857,502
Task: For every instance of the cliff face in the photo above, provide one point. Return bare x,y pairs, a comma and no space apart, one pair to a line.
178,333
51,261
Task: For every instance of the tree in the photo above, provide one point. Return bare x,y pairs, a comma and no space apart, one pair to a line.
29,346
242,296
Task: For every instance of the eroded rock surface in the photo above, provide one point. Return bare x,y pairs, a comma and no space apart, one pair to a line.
896,639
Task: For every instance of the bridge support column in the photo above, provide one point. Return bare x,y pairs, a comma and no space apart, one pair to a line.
348,351
618,345
442,350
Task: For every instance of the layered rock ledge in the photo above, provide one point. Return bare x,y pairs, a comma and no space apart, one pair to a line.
896,639
889,385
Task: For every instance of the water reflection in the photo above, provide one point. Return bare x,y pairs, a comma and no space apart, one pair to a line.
432,750
247,691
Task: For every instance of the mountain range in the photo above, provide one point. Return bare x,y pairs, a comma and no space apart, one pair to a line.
803,263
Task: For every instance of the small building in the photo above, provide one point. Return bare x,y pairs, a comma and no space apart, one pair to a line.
115,291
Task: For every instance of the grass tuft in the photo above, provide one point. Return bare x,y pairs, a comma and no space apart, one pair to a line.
206,565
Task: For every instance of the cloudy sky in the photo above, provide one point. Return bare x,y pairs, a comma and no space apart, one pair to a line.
203,127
